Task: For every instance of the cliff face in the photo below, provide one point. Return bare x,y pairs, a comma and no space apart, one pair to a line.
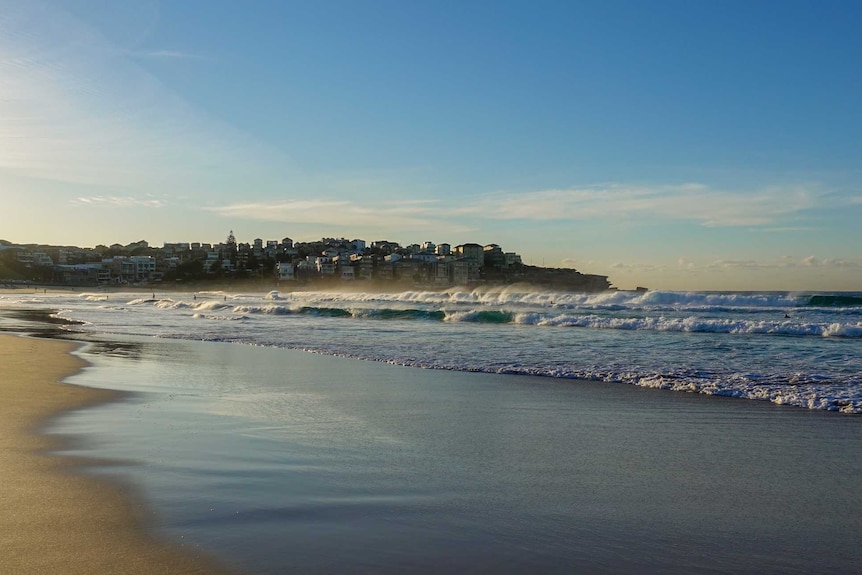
566,279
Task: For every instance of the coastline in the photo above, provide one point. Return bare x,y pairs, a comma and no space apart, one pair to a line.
269,459
278,460
55,518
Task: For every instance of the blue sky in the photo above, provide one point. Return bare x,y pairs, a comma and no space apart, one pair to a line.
679,145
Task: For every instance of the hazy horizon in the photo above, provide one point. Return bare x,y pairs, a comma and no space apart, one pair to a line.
671,145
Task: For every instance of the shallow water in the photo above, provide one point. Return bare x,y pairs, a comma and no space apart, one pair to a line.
276,460
279,460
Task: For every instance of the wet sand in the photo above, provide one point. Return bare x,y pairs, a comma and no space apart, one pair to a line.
283,461
280,461
55,519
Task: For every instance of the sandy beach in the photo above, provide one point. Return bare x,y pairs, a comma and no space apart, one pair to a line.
274,460
54,519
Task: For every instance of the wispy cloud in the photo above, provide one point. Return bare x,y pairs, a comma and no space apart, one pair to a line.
693,202
834,263
118,201
782,263
77,108
404,215
637,267
168,55
764,208
741,264
338,212
771,268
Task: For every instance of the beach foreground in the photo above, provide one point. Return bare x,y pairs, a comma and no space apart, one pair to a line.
55,521
278,461
274,460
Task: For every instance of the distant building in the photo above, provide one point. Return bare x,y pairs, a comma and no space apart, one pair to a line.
513,259
335,258
138,245
472,251
427,257
42,259
493,257
384,246
286,271
441,274
459,272
80,274
143,267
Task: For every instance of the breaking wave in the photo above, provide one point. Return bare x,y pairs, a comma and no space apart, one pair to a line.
689,324
788,348
835,301
649,300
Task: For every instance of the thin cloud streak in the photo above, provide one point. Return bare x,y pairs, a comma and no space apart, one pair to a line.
687,266
693,202
783,263
404,215
688,202
117,201
168,54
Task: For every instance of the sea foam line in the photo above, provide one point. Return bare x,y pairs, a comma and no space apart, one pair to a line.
690,324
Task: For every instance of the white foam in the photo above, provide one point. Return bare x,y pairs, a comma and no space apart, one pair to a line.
747,348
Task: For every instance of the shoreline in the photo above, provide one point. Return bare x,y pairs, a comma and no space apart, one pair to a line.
320,472
57,518
278,459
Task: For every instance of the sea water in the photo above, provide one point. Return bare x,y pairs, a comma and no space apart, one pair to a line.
277,461
274,460
795,349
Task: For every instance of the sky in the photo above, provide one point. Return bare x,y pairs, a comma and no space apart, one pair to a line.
686,145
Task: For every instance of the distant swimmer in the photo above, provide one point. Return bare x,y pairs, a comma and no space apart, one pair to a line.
786,316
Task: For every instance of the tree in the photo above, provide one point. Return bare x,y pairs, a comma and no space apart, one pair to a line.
216,268
191,270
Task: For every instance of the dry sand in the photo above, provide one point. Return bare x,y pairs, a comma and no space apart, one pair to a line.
53,519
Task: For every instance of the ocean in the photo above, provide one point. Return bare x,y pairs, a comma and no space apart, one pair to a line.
496,430
791,349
